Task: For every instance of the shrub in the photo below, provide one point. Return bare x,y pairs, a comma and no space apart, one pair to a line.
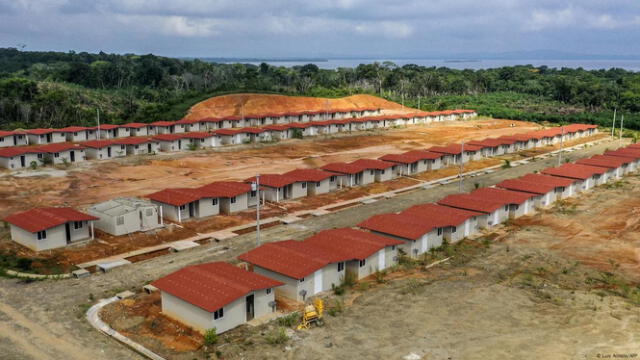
33,165
338,290
297,134
24,264
289,320
277,337
65,162
210,337
380,275
336,309
46,159
193,146
507,164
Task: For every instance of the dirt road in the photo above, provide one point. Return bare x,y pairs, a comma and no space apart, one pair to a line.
58,305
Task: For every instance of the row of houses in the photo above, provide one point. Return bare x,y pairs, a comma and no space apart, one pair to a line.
339,118
208,296
124,216
180,204
74,145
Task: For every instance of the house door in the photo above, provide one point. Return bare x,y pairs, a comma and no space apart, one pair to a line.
149,147
285,192
381,259
48,138
317,282
72,156
67,231
108,151
191,210
250,308
23,161
179,144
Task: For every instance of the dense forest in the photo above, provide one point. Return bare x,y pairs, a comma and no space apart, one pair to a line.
44,89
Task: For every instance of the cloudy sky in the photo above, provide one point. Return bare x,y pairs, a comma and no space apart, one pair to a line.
287,28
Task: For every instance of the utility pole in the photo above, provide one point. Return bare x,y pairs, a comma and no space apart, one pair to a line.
621,128
255,186
461,166
561,146
98,133
614,122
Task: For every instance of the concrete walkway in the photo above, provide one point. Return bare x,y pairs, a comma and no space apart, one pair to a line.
93,316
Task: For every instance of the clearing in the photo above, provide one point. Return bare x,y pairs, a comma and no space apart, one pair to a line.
554,285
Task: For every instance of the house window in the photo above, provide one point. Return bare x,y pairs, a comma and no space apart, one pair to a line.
214,201
318,184
137,147
506,208
182,207
370,172
120,220
56,155
77,225
340,266
253,193
233,200
453,229
42,235
304,185
333,179
218,314
302,280
75,134
393,247
39,156
268,291
439,231
382,172
363,262
121,147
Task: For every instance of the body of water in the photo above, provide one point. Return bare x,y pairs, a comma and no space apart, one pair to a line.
633,65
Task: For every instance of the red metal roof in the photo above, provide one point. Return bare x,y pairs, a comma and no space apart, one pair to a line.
133,141
224,189
442,215
39,131
616,159
401,225
401,158
343,168
98,144
169,137
625,153
163,123
294,259
609,162
452,149
107,127
211,286
39,219
486,143
73,129
226,132
20,150
134,125
526,186
502,196
273,180
468,202
372,164
198,135
574,171
314,175
55,148
9,133
350,244
176,196
548,180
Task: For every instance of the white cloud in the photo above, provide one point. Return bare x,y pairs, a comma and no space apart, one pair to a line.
388,29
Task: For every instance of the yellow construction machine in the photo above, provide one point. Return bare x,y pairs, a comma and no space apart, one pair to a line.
312,314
